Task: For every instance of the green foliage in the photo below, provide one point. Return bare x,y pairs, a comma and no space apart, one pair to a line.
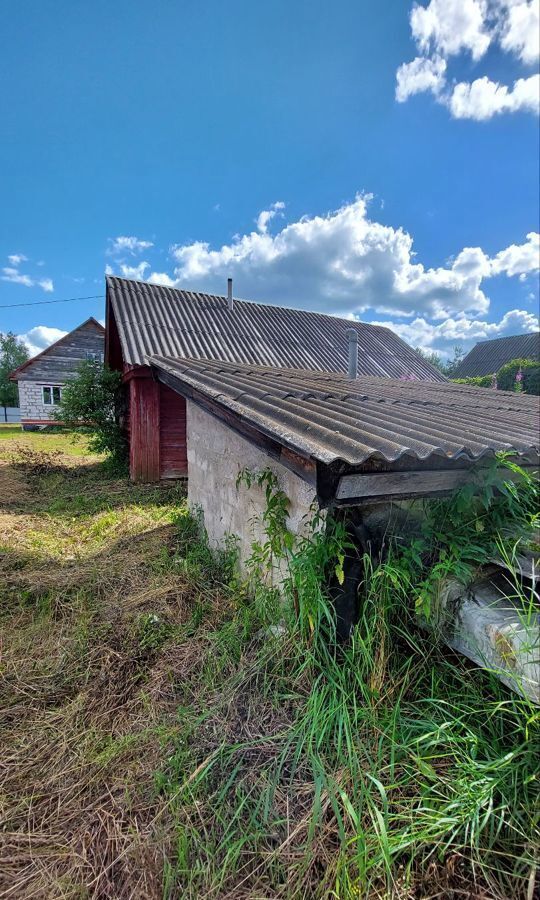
530,369
279,540
465,531
447,368
485,381
92,402
13,353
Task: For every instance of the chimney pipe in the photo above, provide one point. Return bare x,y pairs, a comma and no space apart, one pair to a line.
352,334
230,300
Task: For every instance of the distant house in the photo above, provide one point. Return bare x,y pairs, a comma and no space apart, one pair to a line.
145,320
40,380
487,357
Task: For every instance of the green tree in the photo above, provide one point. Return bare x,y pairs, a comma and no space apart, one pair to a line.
93,403
447,368
13,353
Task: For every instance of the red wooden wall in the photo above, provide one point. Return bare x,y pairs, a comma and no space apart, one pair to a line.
172,433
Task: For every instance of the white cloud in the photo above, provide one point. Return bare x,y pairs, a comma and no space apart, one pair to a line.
446,28
16,277
347,263
482,99
135,272
521,30
17,258
266,215
420,75
40,337
451,26
125,244
12,274
518,259
461,331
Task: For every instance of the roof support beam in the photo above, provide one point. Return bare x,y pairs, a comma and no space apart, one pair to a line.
370,488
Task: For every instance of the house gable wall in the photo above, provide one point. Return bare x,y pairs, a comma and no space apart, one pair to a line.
216,455
61,361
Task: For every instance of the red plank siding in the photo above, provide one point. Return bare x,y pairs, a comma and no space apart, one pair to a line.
144,430
173,445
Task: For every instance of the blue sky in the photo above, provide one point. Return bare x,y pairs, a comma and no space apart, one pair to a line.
391,148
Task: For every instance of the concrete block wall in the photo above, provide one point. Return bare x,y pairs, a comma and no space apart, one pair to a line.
31,401
216,454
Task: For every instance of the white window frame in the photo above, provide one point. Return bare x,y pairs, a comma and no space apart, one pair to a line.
52,388
94,356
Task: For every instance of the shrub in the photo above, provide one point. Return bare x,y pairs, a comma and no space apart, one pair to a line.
92,403
530,368
478,380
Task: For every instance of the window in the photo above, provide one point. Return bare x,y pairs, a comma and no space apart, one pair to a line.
94,356
51,394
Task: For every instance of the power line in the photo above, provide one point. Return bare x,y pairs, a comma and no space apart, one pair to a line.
44,302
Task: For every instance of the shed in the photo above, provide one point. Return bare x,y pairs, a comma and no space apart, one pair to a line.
143,320
487,357
40,380
335,442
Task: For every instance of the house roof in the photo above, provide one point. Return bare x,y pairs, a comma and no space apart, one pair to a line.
487,357
329,418
13,376
152,319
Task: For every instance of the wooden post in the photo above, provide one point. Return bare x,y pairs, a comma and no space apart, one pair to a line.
144,429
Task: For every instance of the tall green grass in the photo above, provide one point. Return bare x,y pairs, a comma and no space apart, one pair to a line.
387,768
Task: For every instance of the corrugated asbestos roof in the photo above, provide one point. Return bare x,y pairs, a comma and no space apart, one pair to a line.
487,357
328,417
152,319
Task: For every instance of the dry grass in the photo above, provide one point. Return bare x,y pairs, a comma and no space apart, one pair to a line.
90,683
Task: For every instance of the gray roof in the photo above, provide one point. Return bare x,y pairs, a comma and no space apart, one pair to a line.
328,417
152,319
487,357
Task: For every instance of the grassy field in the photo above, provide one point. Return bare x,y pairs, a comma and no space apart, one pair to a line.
157,741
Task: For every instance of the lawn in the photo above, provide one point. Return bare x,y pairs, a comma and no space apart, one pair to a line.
159,740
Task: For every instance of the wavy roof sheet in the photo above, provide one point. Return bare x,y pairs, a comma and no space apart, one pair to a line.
328,417
487,357
153,319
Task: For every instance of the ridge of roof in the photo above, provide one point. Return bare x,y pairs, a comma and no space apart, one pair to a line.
152,320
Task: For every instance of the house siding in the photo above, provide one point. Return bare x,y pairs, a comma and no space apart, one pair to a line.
172,434
62,361
54,367
216,454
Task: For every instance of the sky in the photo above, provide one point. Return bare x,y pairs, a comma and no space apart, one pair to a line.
372,160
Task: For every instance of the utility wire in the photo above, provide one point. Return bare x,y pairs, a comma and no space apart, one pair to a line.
44,302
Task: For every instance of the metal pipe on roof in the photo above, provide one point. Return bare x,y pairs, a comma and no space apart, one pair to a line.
352,334
230,299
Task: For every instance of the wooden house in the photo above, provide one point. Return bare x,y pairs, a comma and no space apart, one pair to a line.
41,379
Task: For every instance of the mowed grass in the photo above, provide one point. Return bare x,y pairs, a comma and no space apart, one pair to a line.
159,740
64,441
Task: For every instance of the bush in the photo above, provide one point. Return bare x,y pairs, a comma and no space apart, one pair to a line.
93,403
483,381
506,376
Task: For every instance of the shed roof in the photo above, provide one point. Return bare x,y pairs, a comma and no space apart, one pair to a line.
152,319
329,418
487,357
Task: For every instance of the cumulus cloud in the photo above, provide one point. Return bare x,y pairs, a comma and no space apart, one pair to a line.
446,28
461,331
482,99
266,215
420,75
134,272
347,263
40,337
130,245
